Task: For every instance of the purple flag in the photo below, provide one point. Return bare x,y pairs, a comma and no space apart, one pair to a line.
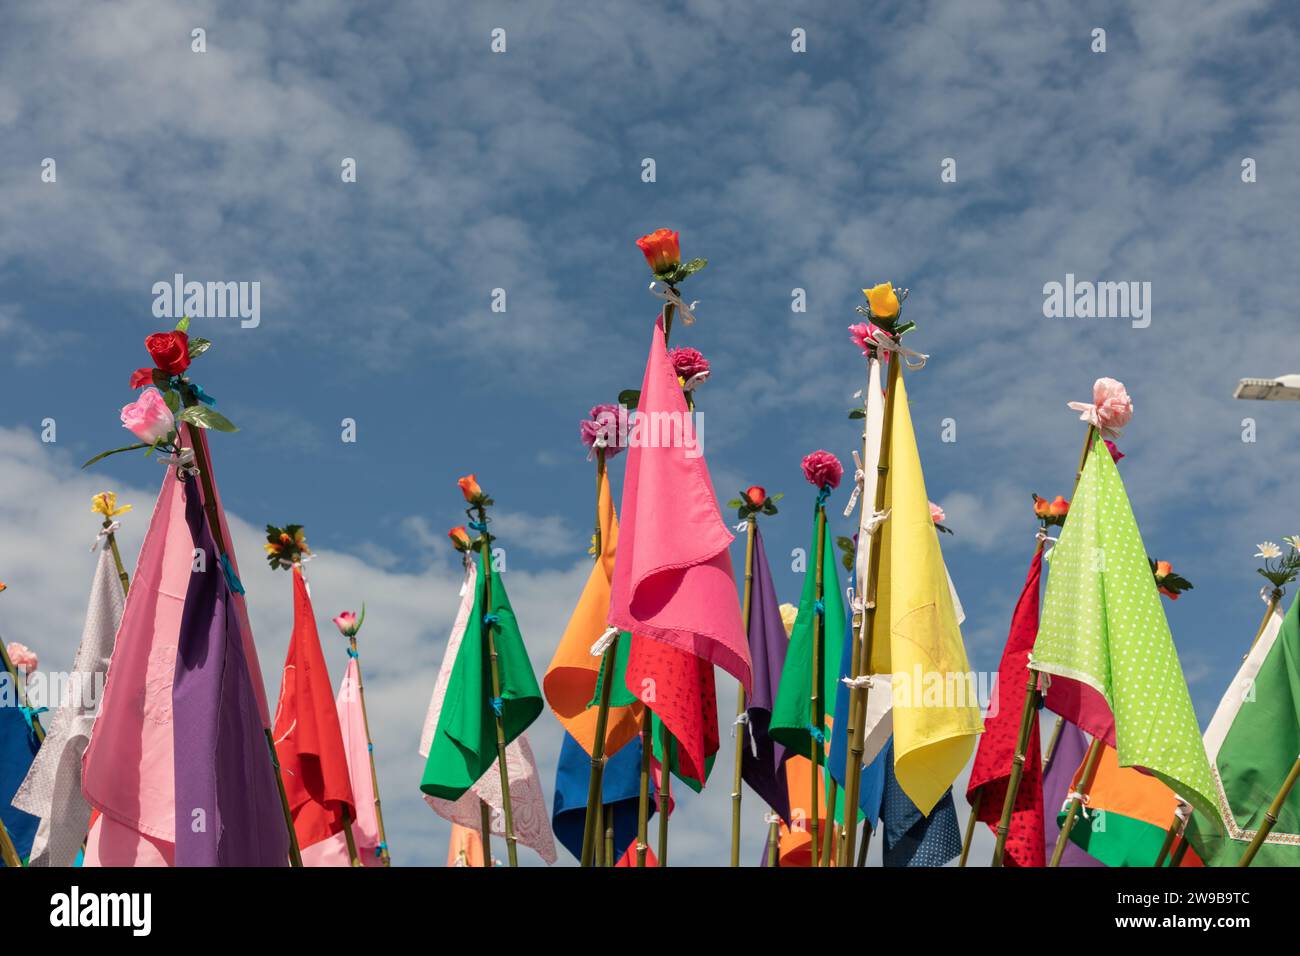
228,810
1071,746
762,765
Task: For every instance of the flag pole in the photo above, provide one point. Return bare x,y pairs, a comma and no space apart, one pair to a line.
1076,804
970,826
117,556
1030,708
214,522
1050,750
9,852
814,723
486,625
370,749
863,623
1270,815
610,858
665,790
353,858
485,830
591,833
740,725
643,797
1176,828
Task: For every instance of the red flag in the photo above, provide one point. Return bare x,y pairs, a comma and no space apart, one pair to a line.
308,739
673,586
997,747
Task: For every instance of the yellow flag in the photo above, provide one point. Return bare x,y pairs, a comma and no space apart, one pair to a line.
570,681
916,637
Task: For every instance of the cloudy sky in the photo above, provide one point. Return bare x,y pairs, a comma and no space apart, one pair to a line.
522,171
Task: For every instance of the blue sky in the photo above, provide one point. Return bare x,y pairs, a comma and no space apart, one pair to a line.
522,171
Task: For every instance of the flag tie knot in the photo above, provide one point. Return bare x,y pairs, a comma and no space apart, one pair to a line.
876,520
859,481
819,608
859,682
883,342
497,703
176,382
379,850
104,533
184,462
823,494
232,579
491,620
352,653
670,297
604,641
695,380
480,526
30,714
817,734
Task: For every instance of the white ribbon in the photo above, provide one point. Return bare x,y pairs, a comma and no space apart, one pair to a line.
859,682
1083,801
600,441
670,297
603,642
769,818
742,525
885,343
104,533
697,379
859,479
876,520
1048,541
184,462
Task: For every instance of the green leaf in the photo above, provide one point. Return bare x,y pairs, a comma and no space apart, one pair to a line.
205,417
776,497
857,413
184,324
198,347
735,503
630,397
105,454
692,267
161,379
173,400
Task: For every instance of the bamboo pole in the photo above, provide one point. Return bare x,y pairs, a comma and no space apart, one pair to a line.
599,835
864,623
665,790
1179,853
1030,705
591,830
486,556
354,859
117,557
970,826
773,844
815,721
830,844
485,830
610,854
384,857
866,842
742,728
1050,750
1270,815
9,852
1085,784
643,797
1170,836
214,524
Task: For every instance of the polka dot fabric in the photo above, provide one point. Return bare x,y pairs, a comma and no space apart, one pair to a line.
1103,626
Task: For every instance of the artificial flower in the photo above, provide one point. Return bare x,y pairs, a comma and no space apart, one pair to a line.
1168,582
662,250
141,377
882,301
864,335
1293,541
285,547
789,614
602,424
23,658
3,586
170,351
148,418
469,488
823,469
1111,408
688,363
1059,507
936,513
105,503
349,623
1042,508
1115,453
1268,549
756,494
459,538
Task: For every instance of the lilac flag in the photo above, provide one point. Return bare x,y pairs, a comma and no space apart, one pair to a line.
1071,746
228,810
762,765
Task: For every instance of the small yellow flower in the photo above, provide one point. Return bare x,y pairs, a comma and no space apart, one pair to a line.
883,301
105,503
789,614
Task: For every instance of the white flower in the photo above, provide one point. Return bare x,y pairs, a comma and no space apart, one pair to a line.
1294,541
1268,550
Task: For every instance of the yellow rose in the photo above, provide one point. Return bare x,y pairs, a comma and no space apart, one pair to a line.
883,301
789,613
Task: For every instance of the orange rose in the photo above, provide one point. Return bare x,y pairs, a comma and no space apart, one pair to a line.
459,537
1059,507
1042,507
1162,570
661,250
756,495
469,488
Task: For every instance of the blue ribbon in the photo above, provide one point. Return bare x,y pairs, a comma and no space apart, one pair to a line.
823,495
379,850
478,526
370,747
29,715
819,608
817,734
352,653
232,579
176,383
490,619
496,705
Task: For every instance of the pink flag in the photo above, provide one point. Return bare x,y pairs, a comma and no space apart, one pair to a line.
673,582
365,828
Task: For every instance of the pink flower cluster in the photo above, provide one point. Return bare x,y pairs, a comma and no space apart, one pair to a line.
22,657
688,362
823,469
863,335
603,422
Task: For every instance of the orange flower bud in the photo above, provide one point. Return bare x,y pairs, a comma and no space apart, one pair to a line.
1042,507
756,495
661,249
1059,507
1162,570
459,537
469,488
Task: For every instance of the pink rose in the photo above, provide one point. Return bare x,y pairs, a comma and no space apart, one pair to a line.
602,423
1111,408
22,657
347,623
148,418
688,362
936,514
823,469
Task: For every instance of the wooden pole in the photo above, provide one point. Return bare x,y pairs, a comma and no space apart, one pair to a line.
643,798
1270,815
1179,853
592,833
866,842
665,790
1052,741
864,623
486,555
485,830
1028,714
830,844
970,826
773,844
117,557
1170,836
1085,784
599,836
610,854
815,721
354,859
384,857
9,852
218,536
742,728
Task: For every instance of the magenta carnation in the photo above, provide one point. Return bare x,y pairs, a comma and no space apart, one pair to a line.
688,362
823,469
603,422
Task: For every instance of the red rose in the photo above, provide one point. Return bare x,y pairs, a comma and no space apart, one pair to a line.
661,250
141,377
756,495
170,351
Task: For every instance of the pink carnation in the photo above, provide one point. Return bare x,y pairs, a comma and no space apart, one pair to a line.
22,657
603,421
1115,453
936,514
688,362
863,335
823,469
1111,408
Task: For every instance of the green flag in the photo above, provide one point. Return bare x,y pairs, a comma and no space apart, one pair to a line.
1103,627
465,744
792,719
1253,742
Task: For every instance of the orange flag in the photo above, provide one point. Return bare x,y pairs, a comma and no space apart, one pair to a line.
570,681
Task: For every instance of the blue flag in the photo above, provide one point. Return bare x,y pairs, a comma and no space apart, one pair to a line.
620,788
912,839
18,746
